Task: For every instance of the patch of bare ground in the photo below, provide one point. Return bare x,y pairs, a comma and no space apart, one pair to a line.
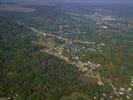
89,79
15,8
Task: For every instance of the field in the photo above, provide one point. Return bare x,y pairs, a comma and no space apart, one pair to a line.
13,8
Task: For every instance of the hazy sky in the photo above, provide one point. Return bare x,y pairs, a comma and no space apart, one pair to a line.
77,1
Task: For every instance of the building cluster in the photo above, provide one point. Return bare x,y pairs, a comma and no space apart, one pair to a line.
127,91
88,66
74,48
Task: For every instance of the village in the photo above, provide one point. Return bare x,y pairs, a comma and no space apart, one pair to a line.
88,68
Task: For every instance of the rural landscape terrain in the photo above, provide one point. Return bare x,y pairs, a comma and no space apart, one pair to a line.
66,51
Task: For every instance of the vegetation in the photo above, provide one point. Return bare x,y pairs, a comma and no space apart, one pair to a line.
27,73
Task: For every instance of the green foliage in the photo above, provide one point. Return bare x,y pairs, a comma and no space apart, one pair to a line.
28,73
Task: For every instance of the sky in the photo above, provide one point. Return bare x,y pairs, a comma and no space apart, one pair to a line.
68,1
